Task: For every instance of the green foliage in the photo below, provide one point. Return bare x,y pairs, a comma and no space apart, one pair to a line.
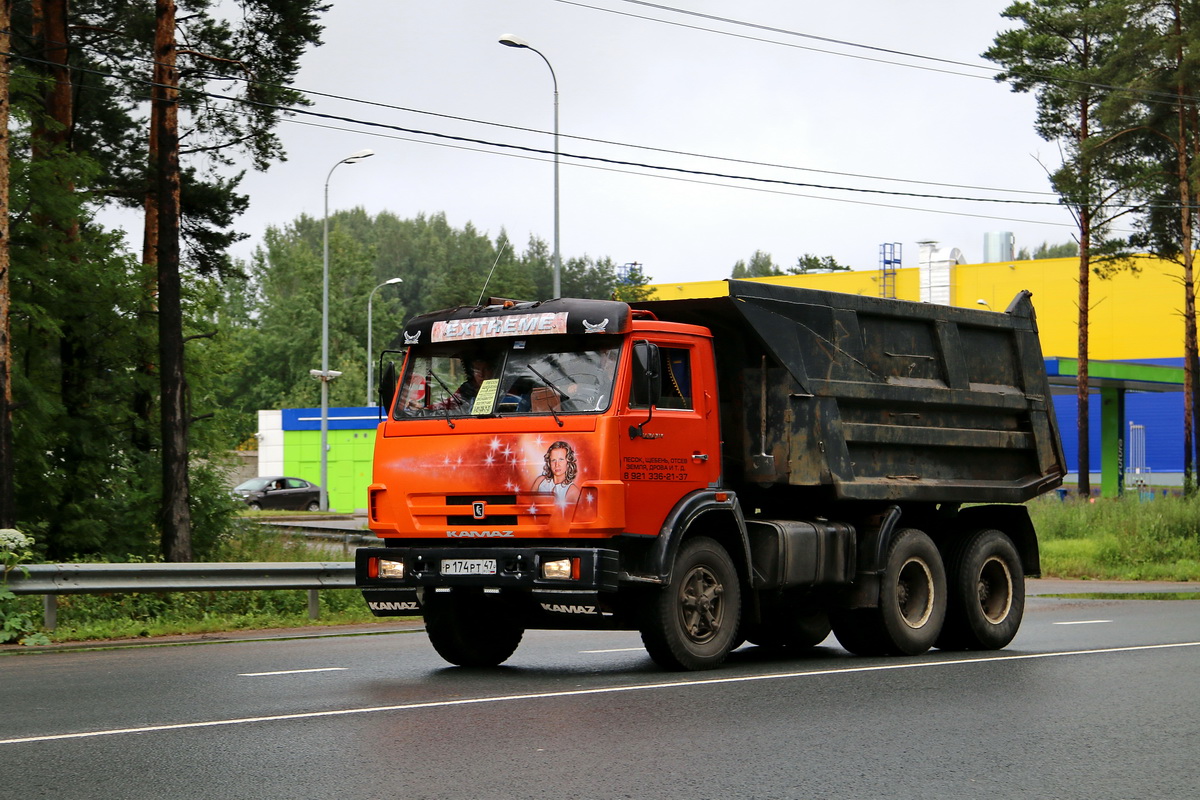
1068,54
17,622
1120,539
634,287
1047,250
811,263
761,266
86,457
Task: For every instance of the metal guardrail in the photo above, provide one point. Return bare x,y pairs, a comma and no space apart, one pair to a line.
347,538
52,580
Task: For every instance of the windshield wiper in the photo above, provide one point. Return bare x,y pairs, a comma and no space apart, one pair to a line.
552,387
449,395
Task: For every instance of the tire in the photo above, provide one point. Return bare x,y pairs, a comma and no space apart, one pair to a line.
790,626
469,630
912,602
986,593
693,623
313,505
254,506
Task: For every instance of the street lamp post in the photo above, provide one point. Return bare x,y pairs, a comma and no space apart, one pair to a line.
370,351
325,375
508,40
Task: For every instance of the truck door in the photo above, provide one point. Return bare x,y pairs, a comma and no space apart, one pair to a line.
670,443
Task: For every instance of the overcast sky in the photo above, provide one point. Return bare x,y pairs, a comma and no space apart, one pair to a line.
641,83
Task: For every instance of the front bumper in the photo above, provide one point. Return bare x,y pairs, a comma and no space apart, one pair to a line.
518,570
516,567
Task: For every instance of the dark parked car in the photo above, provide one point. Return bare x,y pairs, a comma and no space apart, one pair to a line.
279,492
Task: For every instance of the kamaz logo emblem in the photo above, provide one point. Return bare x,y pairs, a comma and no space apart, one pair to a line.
478,509
558,608
405,605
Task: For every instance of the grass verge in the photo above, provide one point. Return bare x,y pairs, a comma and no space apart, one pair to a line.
1124,539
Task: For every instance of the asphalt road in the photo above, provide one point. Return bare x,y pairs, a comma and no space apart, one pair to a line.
1094,699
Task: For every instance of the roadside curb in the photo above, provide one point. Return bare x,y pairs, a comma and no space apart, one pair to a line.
222,637
1038,587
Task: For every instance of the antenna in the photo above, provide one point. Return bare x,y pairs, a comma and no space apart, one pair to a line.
503,245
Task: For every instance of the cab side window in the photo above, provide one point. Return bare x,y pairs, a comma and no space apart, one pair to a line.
676,390
677,378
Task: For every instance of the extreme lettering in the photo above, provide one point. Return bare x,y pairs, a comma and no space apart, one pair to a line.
457,330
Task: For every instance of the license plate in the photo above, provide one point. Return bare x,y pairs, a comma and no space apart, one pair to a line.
468,566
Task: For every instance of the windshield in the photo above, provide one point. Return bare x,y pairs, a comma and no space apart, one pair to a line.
544,375
252,485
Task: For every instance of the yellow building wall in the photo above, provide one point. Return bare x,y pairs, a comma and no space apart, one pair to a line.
1134,315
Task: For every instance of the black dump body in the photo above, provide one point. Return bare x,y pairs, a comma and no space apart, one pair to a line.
871,399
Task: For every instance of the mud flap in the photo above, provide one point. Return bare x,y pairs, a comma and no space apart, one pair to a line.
392,602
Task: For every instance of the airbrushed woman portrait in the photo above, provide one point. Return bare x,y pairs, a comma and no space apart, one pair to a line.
558,474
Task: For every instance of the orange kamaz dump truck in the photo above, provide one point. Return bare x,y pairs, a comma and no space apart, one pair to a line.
761,467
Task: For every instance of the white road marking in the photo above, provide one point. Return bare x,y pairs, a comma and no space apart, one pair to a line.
1083,622
291,672
641,687
616,650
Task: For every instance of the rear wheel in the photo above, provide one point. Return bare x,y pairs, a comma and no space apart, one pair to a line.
986,593
471,630
912,602
313,505
693,623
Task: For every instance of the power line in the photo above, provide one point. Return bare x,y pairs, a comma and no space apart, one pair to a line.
577,156
470,120
1145,95
783,31
696,181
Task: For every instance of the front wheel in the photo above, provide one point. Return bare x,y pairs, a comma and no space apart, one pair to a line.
470,630
987,593
693,623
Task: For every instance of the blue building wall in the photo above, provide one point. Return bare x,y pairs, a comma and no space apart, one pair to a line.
1161,413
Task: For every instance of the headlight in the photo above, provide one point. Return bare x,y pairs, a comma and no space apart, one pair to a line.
564,569
391,569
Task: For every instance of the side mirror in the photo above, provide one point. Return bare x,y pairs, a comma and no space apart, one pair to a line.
647,385
647,373
387,387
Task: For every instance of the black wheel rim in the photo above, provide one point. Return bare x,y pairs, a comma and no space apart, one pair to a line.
915,593
995,590
701,606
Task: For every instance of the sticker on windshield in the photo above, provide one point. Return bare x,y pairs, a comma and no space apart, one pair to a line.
485,398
